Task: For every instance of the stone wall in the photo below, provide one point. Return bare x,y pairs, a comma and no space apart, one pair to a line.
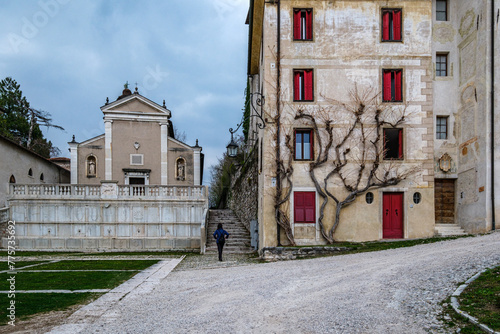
244,191
292,253
107,217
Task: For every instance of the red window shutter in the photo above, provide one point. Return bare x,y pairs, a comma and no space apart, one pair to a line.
309,207
311,150
298,207
296,88
296,24
398,83
309,24
308,85
387,85
385,26
396,19
400,147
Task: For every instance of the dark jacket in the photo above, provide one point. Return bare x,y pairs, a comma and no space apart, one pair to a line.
219,232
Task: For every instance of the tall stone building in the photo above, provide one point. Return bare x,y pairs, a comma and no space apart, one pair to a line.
138,147
423,66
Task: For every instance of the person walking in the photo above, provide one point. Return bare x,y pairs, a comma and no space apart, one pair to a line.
221,235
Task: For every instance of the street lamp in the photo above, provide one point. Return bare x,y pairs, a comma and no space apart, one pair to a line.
232,148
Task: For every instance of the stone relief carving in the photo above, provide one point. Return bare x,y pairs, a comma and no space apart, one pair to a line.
181,169
445,163
443,32
467,23
467,61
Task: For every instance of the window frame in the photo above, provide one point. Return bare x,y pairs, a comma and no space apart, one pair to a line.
441,11
390,25
303,82
393,87
401,154
301,32
438,56
304,207
311,144
439,127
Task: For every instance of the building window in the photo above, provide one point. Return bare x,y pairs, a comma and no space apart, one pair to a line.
391,25
369,197
30,172
441,64
137,159
393,85
393,144
441,127
303,144
441,10
302,24
417,198
12,179
303,85
91,166
304,206
42,178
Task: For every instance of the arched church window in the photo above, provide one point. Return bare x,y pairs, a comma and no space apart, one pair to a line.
42,177
12,179
180,170
91,166
30,172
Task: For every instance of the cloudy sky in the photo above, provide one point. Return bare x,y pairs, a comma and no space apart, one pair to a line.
69,55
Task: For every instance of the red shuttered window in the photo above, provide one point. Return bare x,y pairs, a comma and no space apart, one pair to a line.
304,203
303,85
391,25
392,82
393,144
302,24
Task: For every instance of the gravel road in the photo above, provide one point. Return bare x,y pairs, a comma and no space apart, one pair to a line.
393,291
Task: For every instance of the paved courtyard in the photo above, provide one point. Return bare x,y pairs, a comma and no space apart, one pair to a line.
393,291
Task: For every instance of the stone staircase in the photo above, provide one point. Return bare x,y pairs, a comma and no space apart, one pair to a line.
447,230
239,237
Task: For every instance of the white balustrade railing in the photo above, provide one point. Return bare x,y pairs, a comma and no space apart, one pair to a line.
94,191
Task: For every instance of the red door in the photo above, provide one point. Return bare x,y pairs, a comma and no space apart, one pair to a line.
304,203
393,216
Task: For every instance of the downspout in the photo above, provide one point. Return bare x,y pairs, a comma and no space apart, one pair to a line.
278,111
492,118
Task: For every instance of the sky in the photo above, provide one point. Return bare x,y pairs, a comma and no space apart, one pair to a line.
70,55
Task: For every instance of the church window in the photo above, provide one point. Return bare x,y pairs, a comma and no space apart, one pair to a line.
303,85
180,170
30,172
393,85
302,24
91,166
391,25
12,179
42,177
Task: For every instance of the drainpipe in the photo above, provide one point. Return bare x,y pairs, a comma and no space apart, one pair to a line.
492,118
278,111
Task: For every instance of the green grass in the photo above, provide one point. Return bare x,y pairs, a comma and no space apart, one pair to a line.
66,280
162,254
97,265
481,299
28,304
4,264
38,253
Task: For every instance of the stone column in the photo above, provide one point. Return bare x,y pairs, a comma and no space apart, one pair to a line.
73,148
108,165
197,164
164,153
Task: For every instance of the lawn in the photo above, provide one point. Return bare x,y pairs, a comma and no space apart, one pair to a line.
96,265
4,264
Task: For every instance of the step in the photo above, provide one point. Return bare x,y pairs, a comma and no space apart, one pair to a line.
445,230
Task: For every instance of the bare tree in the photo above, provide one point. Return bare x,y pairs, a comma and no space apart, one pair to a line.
351,151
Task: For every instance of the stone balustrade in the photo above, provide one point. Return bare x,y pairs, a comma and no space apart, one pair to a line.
106,190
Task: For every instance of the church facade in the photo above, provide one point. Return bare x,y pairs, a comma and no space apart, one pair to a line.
137,148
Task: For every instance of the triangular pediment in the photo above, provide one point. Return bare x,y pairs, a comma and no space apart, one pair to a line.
135,104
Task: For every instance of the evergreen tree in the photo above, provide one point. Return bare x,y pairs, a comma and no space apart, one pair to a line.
21,123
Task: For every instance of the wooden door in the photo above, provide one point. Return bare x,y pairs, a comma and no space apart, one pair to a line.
393,216
444,204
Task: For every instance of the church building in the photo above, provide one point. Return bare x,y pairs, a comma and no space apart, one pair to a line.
138,147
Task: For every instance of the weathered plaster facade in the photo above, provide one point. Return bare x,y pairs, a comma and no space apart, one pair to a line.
345,51
464,97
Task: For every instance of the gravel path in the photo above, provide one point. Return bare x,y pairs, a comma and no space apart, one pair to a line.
393,291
